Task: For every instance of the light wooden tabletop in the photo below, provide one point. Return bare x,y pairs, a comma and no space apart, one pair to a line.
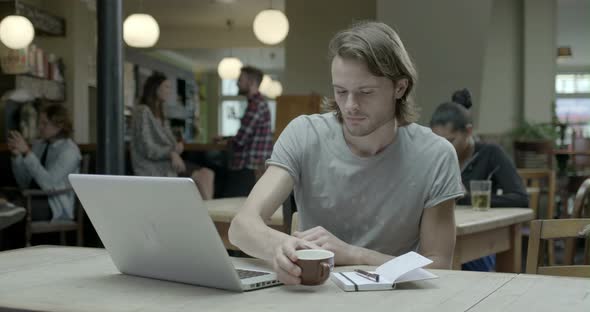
469,221
539,293
85,279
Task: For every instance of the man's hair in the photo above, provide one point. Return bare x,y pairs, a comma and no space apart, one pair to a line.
253,73
58,115
378,46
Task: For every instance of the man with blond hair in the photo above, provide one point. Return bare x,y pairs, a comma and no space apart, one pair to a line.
369,183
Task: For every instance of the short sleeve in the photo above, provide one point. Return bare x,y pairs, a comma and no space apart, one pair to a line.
289,149
446,180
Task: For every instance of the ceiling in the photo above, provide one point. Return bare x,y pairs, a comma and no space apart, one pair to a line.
202,13
267,59
573,29
211,16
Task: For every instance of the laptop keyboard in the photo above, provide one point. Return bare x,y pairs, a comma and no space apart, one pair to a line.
243,274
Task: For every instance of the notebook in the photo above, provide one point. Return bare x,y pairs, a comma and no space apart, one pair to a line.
405,268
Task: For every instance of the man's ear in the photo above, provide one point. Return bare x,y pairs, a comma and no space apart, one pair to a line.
400,88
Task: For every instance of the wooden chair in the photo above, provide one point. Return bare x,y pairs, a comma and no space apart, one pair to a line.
554,229
580,211
541,181
533,154
38,227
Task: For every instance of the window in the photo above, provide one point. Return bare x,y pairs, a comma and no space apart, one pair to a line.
572,103
572,83
233,107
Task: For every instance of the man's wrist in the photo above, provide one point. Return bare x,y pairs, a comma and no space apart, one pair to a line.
357,255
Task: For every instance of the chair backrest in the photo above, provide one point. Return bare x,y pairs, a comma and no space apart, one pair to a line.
555,229
533,154
580,163
541,181
580,211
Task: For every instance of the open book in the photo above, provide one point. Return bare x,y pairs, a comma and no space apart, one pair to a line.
405,268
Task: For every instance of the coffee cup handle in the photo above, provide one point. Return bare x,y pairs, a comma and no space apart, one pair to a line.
325,270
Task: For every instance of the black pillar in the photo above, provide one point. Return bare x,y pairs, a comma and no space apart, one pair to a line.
110,150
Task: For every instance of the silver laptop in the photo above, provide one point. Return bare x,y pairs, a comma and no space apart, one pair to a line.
160,228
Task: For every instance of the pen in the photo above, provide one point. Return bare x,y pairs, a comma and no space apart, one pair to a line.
370,276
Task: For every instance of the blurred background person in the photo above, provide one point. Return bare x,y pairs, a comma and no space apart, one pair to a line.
47,164
155,150
478,161
253,143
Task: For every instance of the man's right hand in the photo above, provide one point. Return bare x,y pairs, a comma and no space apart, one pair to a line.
285,257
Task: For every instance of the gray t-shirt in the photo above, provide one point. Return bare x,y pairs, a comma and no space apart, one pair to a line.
374,202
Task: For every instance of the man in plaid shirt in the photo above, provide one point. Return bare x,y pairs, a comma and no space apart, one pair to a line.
252,145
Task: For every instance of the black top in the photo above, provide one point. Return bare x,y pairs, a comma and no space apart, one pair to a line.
488,158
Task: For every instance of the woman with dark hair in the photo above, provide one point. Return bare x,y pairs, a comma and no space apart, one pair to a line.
47,164
154,148
478,161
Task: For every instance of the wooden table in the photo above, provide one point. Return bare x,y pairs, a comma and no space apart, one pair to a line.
479,233
540,294
223,210
482,233
84,279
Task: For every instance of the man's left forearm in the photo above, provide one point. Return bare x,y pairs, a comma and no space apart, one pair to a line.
364,256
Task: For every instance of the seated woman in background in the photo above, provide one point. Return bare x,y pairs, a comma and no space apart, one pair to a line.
478,161
154,148
48,163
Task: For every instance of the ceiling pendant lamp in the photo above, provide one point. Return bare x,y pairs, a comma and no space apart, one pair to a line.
276,89
141,30
16,31
271,26
229,68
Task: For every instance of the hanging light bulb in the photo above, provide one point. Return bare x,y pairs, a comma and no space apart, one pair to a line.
276,89
16,32
141,30
271,26
265,85
229,68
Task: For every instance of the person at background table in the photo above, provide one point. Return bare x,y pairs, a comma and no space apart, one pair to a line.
478,161
155,150
253,143
370,184
47,164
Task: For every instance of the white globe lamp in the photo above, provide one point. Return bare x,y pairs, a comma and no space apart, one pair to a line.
141,30
276,89
265,85
271,26
16,32
229,68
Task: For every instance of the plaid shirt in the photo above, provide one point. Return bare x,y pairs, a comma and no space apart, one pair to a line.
252,145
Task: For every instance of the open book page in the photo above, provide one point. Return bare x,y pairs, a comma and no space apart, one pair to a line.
401,265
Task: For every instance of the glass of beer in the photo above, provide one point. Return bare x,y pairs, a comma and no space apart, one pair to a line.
481,192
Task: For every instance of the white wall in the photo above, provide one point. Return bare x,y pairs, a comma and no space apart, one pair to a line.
501,93
312,24
540,28
447,41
